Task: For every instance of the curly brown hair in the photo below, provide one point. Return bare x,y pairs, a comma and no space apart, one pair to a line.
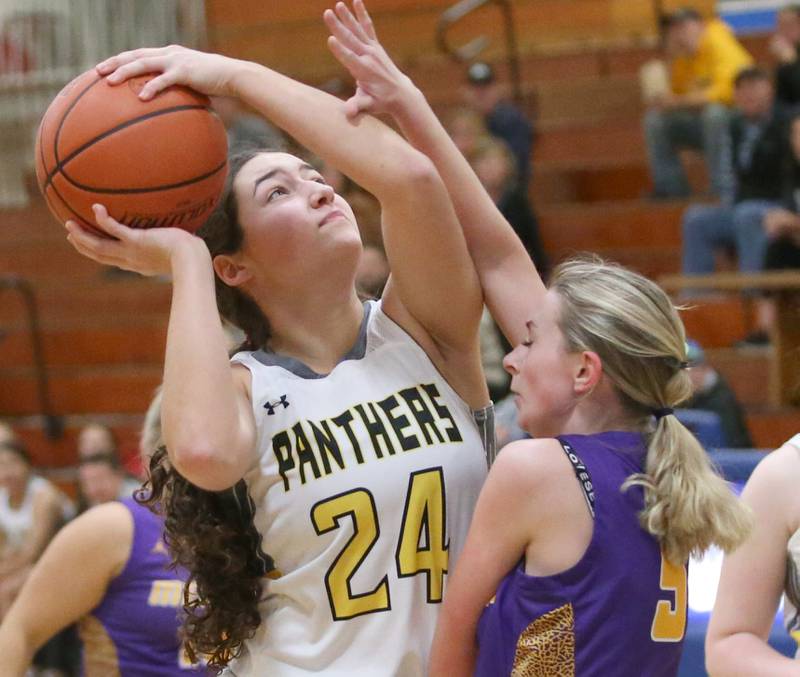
211,534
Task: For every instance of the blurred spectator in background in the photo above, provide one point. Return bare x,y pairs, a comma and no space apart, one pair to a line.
755,161
502,118
31,511
494,166
7,433
711,392
694,111
782,224
467,129
782,229
96,438
246,130
123,592
101,478
784,46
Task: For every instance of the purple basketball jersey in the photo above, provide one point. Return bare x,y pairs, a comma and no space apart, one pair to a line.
133,632
621,610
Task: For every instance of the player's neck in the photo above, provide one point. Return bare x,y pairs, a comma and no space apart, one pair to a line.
317,331
600,412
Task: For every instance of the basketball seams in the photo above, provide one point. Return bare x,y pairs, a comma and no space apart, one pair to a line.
153,189
88,133
46,188
93,228
58,131
49,187
60,164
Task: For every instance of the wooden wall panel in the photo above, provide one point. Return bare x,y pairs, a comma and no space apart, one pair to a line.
290,36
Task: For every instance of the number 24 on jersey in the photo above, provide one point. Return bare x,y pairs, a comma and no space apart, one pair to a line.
424,514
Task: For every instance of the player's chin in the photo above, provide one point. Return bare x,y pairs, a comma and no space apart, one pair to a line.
527,420
343,232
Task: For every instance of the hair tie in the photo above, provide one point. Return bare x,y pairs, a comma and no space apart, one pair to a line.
684,365
661,413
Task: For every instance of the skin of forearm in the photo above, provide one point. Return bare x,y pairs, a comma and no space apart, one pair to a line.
489,247
500,259
17,653
198,410
367,151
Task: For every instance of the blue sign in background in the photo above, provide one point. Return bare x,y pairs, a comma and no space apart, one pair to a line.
750,16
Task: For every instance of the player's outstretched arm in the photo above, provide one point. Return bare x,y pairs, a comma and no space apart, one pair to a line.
512,287
752,577
68,581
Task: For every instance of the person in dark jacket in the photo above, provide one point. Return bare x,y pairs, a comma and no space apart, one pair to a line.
503,119
757,148
782,228
785,48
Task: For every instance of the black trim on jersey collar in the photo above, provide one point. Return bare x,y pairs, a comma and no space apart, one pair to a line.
301,369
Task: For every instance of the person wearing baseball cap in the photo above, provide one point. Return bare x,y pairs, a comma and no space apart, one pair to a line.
694,111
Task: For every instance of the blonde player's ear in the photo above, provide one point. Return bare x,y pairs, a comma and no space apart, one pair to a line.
588,373
230,271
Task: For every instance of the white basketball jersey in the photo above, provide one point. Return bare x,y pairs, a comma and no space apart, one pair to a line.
15,523
365,486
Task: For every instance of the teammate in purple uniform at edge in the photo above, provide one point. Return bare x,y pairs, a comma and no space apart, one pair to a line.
575,562
107,570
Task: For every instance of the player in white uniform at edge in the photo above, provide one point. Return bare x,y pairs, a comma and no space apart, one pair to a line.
352,425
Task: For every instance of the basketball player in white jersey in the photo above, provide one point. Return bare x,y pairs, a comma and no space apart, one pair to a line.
343,440
754,576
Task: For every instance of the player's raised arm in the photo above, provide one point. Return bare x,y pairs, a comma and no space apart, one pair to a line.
209,426
509,279
430,263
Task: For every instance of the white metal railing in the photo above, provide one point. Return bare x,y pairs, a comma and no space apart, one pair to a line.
45,43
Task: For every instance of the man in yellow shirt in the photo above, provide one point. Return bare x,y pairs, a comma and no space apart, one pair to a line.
694,111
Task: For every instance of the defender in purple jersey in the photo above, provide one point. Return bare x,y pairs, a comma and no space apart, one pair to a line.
576,559
599,616
108,571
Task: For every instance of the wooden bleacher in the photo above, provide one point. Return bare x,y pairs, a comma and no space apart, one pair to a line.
104,335
783,385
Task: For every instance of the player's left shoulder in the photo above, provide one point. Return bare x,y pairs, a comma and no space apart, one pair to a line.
532,467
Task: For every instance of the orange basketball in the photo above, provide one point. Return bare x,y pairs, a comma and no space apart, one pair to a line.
152,163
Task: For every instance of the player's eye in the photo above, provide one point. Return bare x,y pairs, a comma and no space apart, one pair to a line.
276,192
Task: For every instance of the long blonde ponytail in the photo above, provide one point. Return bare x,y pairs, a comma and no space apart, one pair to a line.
631,324
688,506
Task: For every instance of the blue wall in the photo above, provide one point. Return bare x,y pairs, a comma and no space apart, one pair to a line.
749,16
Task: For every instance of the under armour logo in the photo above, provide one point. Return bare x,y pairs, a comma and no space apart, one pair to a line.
270,406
